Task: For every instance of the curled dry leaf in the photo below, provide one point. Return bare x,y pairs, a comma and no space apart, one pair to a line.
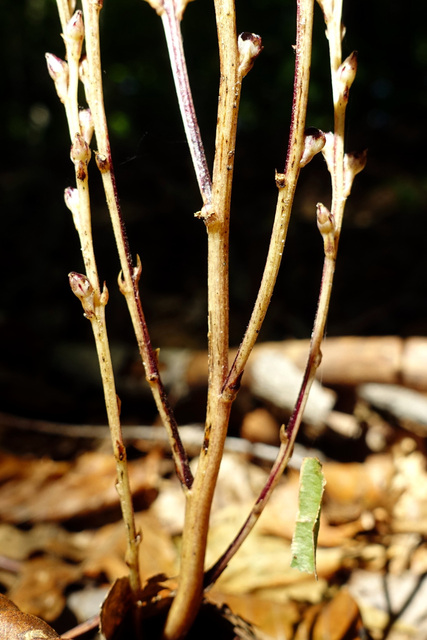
16,625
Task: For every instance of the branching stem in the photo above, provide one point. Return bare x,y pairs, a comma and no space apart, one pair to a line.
286,183
87,288
129,277
329,225
190,589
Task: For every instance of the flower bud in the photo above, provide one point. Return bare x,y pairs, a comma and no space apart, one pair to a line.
80,151
80,285
325,220
314,141
326,226
74,29
354,163
328,151
58,71
86,124
73,36
250,46
82,288
346,74
71,197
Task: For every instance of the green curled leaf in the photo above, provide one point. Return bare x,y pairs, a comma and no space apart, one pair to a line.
304,541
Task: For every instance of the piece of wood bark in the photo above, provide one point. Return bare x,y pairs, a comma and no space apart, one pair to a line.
348,360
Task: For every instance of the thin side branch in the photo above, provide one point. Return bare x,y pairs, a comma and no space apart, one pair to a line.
129,277
286,183
342,172
171,18
217,215
87,287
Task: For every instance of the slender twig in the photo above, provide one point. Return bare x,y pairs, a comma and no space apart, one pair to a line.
171,15
87,287
129,277
286,183
342,169
190,588
81,628
65,11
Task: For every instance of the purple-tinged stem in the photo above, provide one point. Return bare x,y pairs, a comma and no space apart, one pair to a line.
171,19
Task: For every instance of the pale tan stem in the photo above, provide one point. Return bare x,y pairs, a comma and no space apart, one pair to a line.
64,11
129,277
330,226
286,183
198,504
113,412
87,287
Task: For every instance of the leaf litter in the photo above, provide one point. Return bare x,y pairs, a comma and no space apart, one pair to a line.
63,543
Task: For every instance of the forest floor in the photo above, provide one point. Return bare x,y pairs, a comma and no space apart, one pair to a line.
63,544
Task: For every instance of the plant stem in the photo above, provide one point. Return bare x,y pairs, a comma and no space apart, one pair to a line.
65,11
190,589
87,288
287,437
286,183
171,17
129,277
329,226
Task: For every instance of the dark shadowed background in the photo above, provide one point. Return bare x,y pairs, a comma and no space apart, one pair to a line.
47,366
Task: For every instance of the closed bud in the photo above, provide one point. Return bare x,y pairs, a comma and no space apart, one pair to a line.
328,150
71,197
354,163
250,46
86,124
73,35
346,74
80,151
82,288
75,28
314,141
58,71
325,220
80,285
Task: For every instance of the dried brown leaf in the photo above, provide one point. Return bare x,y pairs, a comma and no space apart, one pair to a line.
16,625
